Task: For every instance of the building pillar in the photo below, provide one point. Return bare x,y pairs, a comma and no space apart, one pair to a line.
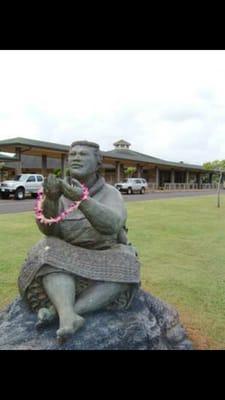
198,179
18,168
172,176
44,164
139,170
187,177
121,171
63,161
156,177
117,171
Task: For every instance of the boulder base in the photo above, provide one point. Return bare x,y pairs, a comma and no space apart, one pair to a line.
149,324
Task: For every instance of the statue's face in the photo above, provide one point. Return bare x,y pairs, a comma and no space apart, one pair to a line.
82,161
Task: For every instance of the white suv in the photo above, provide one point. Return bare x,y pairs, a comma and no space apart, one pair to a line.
21,185
132,185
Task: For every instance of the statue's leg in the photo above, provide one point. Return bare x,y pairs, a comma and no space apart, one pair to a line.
60,289
98,296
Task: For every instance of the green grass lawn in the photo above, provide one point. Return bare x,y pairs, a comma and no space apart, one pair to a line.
181,244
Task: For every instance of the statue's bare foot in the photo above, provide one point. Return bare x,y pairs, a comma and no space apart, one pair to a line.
68,328
46,316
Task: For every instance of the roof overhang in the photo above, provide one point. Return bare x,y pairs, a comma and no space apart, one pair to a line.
33,147
39,148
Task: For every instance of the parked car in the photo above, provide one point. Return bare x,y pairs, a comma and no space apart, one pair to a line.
132,185
21,185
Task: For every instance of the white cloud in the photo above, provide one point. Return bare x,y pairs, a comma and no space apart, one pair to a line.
170,104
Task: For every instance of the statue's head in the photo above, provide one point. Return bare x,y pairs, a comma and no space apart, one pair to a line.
84,158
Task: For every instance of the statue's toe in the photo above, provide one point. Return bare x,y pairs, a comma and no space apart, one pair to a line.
65,332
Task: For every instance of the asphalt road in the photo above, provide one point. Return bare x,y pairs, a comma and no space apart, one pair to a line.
14,206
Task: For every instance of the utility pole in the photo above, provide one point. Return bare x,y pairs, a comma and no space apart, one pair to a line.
218,187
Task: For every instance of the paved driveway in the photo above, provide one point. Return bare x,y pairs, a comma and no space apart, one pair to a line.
15,206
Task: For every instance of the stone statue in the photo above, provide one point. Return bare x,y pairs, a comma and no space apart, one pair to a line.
85,263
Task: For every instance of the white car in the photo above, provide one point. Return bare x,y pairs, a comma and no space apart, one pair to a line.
132,185
21,185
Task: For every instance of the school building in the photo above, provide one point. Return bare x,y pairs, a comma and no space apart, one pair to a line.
34,156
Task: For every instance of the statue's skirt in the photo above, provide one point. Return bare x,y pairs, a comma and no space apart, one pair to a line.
116,264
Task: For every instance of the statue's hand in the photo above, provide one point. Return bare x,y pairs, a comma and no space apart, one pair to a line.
72,192
52,187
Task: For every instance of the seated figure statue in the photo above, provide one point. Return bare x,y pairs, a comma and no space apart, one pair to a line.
84,263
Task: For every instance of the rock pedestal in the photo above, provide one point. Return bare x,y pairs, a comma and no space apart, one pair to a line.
149,324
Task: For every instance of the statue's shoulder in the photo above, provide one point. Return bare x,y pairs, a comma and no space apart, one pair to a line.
112,195
112,190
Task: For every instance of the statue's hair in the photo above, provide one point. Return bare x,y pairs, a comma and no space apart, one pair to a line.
93,145
84,143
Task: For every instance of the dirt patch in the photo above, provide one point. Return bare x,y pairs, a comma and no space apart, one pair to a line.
199,341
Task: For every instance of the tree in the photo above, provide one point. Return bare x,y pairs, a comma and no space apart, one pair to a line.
218,187
2,166
129,171
216,165
58,172
218,176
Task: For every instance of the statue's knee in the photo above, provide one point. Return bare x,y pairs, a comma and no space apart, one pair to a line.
118,287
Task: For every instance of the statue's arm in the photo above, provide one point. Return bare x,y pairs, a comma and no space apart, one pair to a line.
107,217
50,209
52,190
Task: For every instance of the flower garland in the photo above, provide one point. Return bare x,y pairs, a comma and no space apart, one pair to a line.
48,221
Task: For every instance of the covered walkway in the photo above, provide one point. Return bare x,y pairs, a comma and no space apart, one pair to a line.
43,157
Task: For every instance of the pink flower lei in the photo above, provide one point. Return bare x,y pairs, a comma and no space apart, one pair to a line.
48,221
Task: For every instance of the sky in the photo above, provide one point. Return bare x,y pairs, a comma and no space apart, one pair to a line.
167,104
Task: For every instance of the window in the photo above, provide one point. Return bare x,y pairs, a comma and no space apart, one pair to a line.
31,179
138,181
20,178
39,178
